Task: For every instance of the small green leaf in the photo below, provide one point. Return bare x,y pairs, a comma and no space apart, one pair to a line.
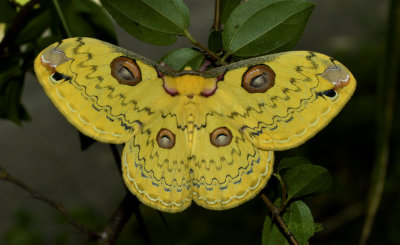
140,32
318,227
34,28
7,12
258,27
227,6
306,179
289,162
215,41
167,16
184,57
298,219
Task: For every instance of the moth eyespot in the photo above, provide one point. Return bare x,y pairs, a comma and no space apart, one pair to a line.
221,137
165,139
258,79
126,71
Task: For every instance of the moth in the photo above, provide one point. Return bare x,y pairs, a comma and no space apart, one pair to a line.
202,136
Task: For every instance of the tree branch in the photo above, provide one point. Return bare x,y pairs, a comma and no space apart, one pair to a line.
4,175
16,26
277,217
128,206
217,15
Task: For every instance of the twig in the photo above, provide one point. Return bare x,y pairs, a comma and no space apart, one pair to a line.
276,215
210,53
217,15
4,175
16,26
128,206
142,226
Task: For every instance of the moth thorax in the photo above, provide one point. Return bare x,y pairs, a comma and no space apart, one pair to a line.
190,85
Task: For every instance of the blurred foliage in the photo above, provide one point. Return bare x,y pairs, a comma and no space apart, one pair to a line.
29,28
34,25
24,230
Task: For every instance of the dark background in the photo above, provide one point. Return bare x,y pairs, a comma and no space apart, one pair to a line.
45,152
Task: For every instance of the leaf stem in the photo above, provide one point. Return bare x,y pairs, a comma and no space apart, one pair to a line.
119,218
4,175
283,190
201,46
217,15
277,217
387,91
63,21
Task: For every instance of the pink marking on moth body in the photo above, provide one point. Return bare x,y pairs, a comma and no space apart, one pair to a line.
211,91
169,90
208,92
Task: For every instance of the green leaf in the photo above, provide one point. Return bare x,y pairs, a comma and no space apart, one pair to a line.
11,85
227,6
7,12
215,41
167,16
289,162
306,179
258,27
184,57
140,32
87,19
35,28
298,219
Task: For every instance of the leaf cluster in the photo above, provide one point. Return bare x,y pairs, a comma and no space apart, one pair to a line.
297,179
241,29
29,27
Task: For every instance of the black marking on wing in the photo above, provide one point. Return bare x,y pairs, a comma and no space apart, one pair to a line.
328,93
94,98
290,110
59,76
